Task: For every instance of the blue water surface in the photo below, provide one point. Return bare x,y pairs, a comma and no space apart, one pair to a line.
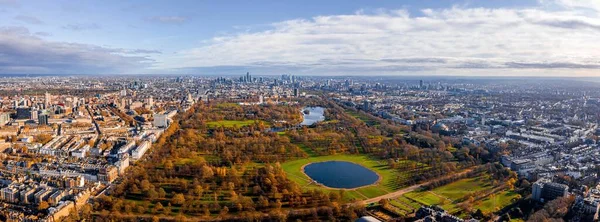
340,174
317,114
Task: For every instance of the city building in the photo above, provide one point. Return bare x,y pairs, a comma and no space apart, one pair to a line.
545,190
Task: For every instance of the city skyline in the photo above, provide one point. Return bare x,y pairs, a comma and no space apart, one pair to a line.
463,38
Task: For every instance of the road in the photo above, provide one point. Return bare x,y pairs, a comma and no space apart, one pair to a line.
400,192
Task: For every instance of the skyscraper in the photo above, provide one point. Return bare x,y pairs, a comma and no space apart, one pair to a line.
47,99
4,118
43,119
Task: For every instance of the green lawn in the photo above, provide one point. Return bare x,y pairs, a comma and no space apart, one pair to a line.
387,183
190,160
230,123
227,105
366,119
497,202
427,198
460,188
449,195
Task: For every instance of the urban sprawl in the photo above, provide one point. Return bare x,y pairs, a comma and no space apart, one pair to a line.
66,141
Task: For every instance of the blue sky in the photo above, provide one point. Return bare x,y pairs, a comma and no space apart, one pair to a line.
494,37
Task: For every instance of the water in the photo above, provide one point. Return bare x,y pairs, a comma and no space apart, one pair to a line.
340,174
317,114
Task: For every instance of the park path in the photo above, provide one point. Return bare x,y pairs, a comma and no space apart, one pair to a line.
401,192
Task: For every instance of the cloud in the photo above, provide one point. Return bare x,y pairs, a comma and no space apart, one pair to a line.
578,4
82,26
23,52
449,41
569,24
29,19
143,51
552,65
168,19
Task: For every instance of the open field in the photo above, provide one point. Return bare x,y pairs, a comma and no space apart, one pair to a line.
366,119
230,123
388,182
498,201
226,105
450,195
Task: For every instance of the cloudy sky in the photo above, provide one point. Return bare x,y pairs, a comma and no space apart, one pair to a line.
308,37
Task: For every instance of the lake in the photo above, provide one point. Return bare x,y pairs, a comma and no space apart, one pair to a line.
316,114
340,174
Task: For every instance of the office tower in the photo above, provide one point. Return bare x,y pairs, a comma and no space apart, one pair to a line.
43,119
4,118
48,99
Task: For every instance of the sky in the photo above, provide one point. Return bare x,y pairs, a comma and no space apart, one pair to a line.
308,37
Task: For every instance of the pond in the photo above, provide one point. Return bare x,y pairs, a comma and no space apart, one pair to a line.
312,115
340,174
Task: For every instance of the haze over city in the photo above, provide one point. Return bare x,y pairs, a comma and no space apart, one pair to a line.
482,38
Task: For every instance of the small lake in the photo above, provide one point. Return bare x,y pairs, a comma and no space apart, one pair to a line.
340,174
316,114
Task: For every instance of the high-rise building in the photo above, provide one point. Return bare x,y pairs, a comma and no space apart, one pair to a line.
545,190
47,99
23,113
43,119
161,120
296,92
10,194
4,118
34,114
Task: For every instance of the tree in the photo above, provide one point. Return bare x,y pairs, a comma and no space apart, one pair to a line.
162,193
86,211
167,210
224,211
43,205
145,185
152,194
178,199
169,165
198,190
384,202
158,207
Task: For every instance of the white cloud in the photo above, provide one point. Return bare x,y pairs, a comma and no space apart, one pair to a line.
23,52
449,41
580,4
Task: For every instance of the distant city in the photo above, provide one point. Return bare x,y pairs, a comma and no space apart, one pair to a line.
515,148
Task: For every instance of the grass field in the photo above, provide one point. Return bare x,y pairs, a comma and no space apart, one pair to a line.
448,196
230,123
189,160
366,119
497,202
387,184
461,188
227,105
